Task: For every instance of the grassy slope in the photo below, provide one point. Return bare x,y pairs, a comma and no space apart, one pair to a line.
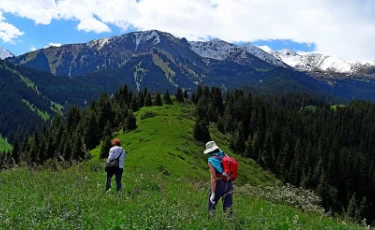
165,186
45,116
4,146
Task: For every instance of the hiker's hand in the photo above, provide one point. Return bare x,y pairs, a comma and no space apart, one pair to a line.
225,174
212,198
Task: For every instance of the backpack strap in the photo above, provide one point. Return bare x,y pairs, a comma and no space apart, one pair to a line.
119,155
217,157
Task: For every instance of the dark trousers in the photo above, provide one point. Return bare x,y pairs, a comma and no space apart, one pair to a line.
118,175
224,190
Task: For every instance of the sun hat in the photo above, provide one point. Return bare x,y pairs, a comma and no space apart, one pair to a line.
210,147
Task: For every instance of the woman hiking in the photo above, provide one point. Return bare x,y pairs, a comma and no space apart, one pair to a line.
116,153
219,187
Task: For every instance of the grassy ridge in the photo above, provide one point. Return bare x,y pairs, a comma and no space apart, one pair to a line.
4,146
165,187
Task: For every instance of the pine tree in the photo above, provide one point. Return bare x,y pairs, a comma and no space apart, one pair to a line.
91,133
167,98
148,100
352,207
106,146
107,130
135,104
199,93
158,101
141,100
130,122
238,140
201,130
179,95
186,94
194,98
16,152
364,209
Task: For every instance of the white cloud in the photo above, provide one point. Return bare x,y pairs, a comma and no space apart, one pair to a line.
32,48
344,28
91,24
8,32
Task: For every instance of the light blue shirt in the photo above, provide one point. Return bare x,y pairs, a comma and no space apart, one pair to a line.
115,152
216,162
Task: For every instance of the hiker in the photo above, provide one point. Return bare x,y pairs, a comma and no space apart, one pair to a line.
116,153
219,188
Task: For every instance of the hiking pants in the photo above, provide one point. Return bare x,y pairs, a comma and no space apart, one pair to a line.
224,190
118,175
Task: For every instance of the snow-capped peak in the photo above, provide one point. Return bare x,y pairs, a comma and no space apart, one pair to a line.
4,53
319,62
99,43
142,37
216,49
219,49
261,54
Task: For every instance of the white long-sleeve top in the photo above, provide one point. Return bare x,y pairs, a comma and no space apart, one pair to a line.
115,152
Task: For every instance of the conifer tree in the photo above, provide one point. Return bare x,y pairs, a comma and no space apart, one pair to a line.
135,104
16,152
193,98
238,140
158,101
352,207
130,122
91,133
186,94
167,98
106,146
363,209
148,100
201,130
179,95
141,100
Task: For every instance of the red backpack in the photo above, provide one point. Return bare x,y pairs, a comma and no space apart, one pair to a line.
230,168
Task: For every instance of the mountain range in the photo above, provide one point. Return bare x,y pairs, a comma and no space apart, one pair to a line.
159,61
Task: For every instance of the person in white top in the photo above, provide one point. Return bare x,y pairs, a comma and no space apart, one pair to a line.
116,153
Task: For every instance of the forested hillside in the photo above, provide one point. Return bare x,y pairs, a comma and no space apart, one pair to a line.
304,142
300,139
29,97
165,182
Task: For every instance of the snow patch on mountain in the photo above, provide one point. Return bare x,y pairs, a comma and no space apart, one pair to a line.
99,43
261,54
142,37
218,49
4,53
320,62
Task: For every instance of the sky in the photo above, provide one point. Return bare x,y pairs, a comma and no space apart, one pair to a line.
342,28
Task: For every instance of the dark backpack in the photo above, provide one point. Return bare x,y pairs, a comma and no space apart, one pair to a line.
230,168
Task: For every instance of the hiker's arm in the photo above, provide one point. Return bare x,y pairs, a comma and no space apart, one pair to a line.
111,155
213,177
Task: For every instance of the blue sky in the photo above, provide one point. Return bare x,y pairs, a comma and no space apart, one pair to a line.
342,28
64,32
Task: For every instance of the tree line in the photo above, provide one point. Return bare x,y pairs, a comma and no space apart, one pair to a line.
67,139
302,140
